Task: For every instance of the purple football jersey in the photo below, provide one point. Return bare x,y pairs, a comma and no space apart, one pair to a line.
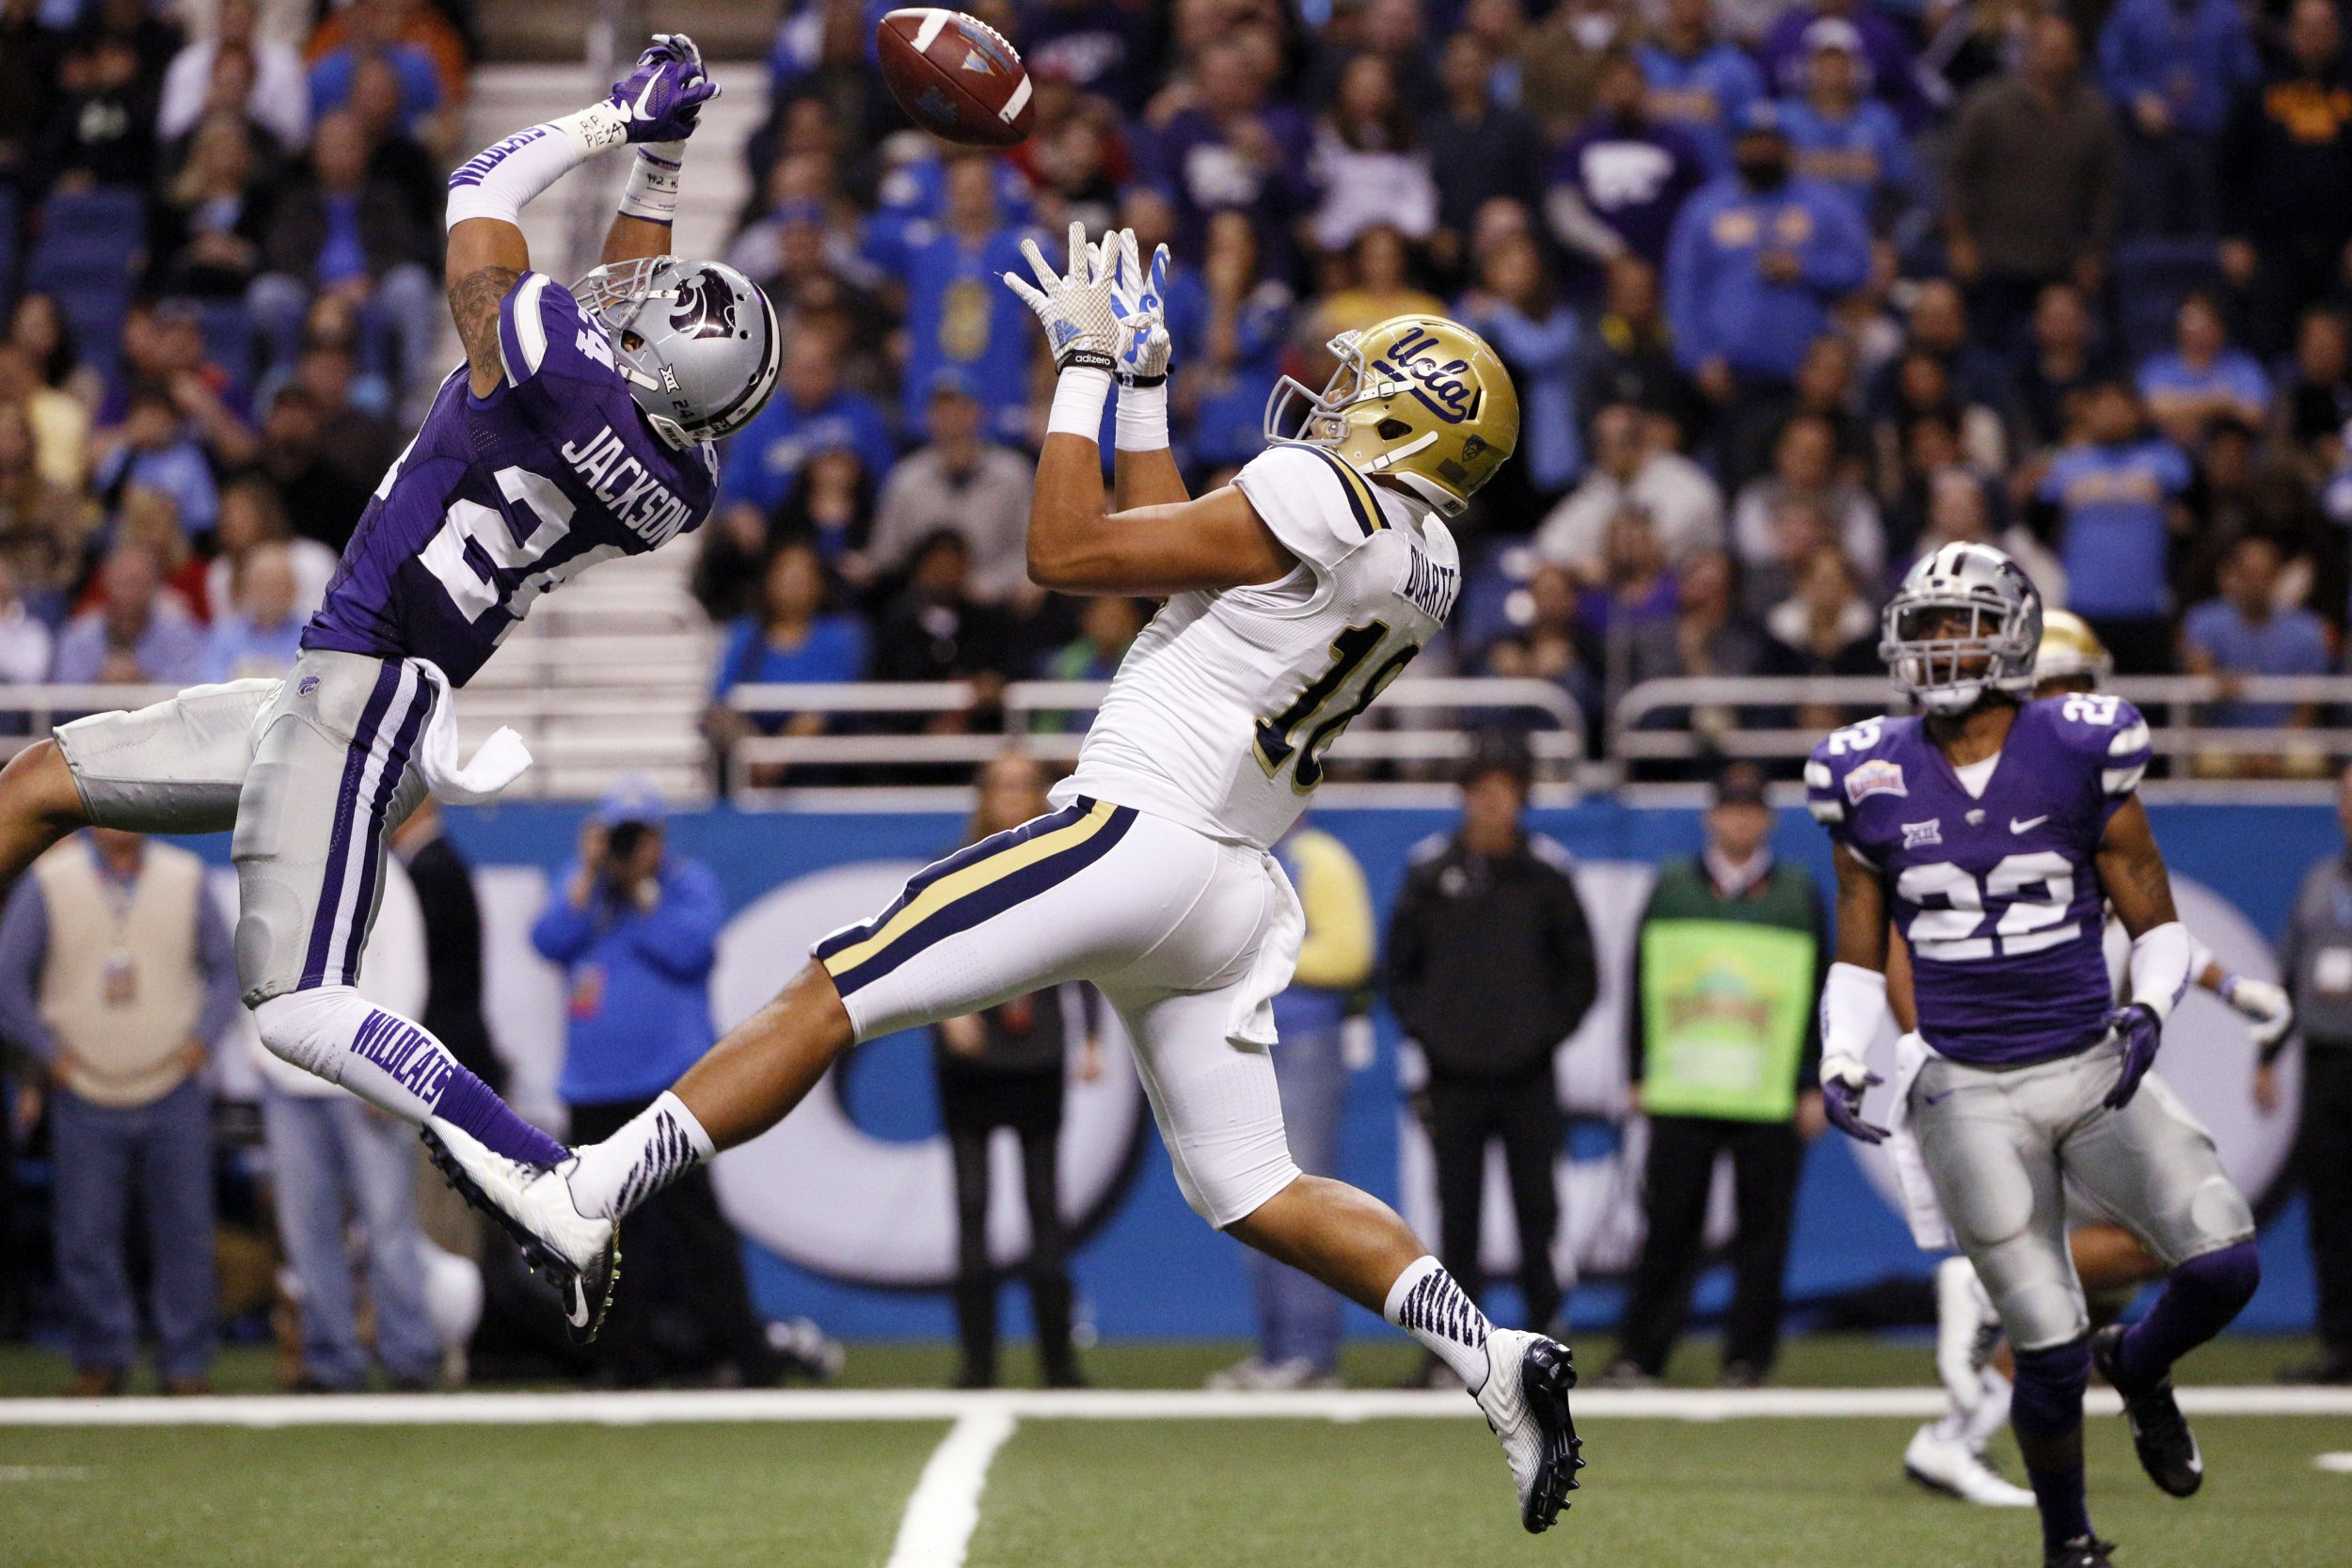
1998,896
500,499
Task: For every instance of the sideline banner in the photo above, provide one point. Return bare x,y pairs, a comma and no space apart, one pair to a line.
850,1203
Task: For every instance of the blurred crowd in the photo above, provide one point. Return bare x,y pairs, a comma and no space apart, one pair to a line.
1793,289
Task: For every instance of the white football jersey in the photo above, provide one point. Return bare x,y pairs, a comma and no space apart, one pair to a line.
1223,708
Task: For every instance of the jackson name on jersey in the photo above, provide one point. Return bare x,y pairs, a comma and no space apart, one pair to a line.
1996,891
1222,710
500,499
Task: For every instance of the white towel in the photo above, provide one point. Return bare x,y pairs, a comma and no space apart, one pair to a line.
498,763
1928,1229
1251,1020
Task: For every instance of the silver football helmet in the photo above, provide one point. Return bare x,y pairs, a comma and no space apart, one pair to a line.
1964,622
697,341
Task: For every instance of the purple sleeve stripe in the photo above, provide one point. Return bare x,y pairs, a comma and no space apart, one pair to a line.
474,169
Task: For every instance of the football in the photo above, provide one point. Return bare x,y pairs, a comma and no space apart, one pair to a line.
956,76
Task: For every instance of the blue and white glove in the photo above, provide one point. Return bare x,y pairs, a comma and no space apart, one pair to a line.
1843,1080
2268,1012
2138,1033
1139,304
661,99
1075,307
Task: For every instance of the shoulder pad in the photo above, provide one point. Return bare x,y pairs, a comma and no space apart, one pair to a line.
2104,730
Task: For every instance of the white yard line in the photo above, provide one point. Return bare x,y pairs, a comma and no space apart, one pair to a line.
923,1405
2339,1464
946,1507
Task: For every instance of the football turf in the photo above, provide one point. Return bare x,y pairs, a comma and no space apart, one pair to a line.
1266,1492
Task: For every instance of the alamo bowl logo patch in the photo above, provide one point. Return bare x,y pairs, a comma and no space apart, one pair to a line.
1877,776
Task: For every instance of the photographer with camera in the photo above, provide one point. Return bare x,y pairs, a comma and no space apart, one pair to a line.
636,931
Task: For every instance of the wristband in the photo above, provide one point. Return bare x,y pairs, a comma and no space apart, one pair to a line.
1854,1009
1143,418
1078,398
652,190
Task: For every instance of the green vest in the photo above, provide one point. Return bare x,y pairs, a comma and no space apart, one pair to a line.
1727,991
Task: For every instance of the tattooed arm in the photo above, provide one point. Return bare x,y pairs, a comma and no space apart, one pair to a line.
2131,871
487,258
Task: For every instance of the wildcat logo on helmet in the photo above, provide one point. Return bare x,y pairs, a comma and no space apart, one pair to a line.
706,306
1443,389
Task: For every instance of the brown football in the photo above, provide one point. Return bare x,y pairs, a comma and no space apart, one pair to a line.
956,76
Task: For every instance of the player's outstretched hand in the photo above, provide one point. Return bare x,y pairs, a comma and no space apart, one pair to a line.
662,99
1139,303
2267,1011
2138,1033
1843,1080
1075,307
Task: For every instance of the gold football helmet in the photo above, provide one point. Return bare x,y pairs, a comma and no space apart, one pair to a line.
2070,651
1418,398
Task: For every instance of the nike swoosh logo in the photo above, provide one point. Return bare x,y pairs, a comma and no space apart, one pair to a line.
1937,1098
576,1311
645,100
2027,824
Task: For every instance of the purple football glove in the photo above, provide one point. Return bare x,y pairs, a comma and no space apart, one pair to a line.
2138,1033
1842,1100
664,97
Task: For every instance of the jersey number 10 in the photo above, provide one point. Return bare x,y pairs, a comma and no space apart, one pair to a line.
1349,650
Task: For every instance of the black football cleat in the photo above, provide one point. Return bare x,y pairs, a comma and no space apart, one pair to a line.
2084,1551
2168,1449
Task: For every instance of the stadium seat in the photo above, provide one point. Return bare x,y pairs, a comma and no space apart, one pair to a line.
87,256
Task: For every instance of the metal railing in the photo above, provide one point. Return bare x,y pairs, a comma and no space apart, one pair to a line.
1772,718
1418,728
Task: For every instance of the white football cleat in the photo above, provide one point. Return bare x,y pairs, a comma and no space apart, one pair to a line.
581,1256
1526,1401
1950,1466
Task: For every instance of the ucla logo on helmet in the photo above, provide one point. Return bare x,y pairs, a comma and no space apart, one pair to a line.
706,306
1442,387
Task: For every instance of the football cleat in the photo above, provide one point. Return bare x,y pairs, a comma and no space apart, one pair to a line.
1950,1466
2168,1449
579,1256
1526,1401
2084,1551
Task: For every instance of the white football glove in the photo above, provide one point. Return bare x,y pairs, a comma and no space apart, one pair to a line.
1140,304
1075,306
2268,1013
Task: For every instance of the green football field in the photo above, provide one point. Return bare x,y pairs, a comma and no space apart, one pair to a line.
1172,1489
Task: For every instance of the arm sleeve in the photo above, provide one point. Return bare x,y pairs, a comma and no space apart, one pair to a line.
2127,751
23,947
563,932
1337,953
216,956
1315,504
680,937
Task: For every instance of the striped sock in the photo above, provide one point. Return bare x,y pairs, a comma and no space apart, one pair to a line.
658,1144
1426,1303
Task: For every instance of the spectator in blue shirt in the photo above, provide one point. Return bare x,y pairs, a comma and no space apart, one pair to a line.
1248,326
2117,491
263,633
1698,81
793,633
2202,378
1619,181
1757,261
1843,137
960,316
2246,632
810,413
135,632
159,451
2173,68
637,931
1517,311
420,84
